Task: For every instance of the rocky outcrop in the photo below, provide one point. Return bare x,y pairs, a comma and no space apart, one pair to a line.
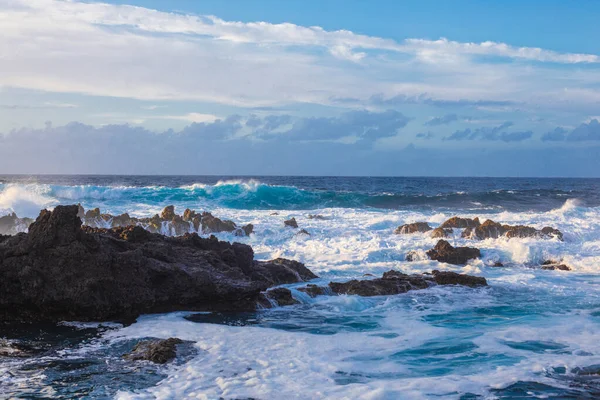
445,252
493,230
11,224
413,228
63,271
458,222
395,282
155,350
168,222
277,297
440,233
291,223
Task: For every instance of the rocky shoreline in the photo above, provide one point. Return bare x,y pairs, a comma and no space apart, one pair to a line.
62,270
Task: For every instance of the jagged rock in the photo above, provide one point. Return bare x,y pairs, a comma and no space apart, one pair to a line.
95,213
395,282
413,228
122,220
314,290
155,350
63,271
168,213
458,222
444,252
303,232
281,296
189,215
291,222
212,224
439,233
80,211
490,229
497,264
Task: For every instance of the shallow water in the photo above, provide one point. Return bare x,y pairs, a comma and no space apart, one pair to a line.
530,334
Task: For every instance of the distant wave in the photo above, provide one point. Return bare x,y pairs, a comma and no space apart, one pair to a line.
27,199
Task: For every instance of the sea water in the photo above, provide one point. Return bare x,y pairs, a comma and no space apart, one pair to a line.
531,333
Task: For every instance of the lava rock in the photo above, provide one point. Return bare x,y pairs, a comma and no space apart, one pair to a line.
458,222
413,228
63,271
155,350
445,252
452,278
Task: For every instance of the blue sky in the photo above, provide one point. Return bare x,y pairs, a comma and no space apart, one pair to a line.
300,87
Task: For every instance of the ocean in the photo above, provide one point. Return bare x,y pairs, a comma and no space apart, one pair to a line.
530,334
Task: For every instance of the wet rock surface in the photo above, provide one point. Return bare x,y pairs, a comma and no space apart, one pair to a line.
493,230
167,222
413,228
277,296
439,233
458,222
292,223
63,271
395,282
445,252
155,350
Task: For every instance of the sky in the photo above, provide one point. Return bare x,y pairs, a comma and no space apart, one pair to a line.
329,87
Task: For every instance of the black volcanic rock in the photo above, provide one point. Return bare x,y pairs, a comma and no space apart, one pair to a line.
291,223
63,271
444,252
395,282
155,350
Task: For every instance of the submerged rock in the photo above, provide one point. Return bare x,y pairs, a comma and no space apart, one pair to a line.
412,228
552,267
303,232
279,296
63,271
155,350
314,290
458,222
445,252
291,223
452,278
395,282
317,216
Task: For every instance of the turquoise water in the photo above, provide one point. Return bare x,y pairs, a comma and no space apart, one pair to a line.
530,334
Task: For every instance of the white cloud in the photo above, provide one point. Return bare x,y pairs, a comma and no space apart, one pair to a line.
134,52
190,117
